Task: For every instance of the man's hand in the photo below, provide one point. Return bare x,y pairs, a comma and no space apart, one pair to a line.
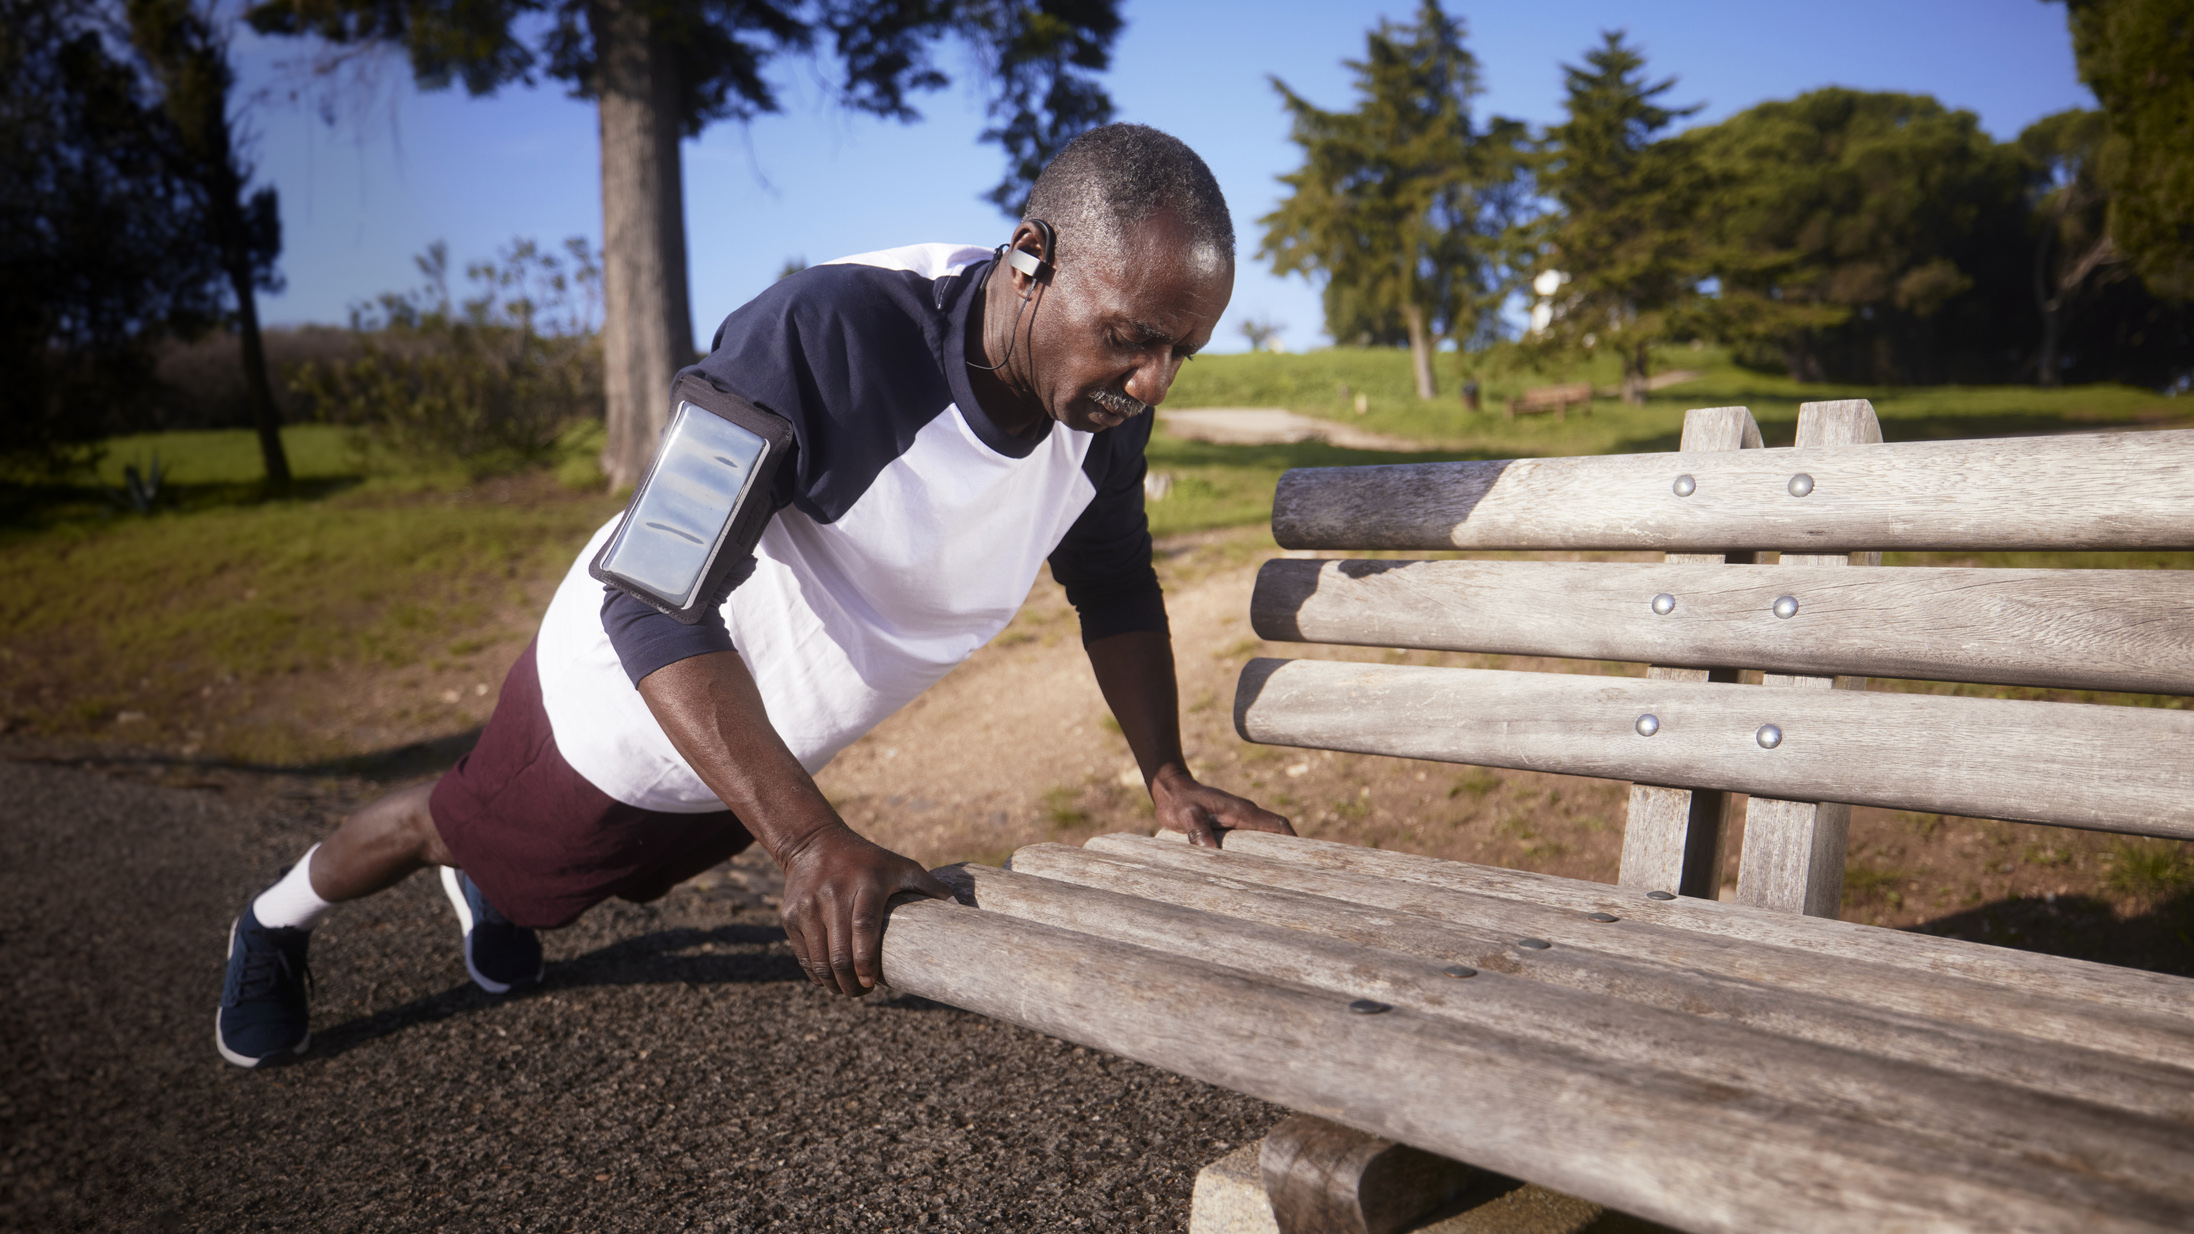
836,883
1184,804
836,888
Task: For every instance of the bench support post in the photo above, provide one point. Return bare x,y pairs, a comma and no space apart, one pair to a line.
1674,838
1794,850
1324,1178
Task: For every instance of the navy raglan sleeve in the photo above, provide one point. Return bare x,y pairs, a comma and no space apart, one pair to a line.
825,349
758,342
1104,561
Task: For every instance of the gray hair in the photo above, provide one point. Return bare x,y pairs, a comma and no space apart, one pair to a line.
1109,179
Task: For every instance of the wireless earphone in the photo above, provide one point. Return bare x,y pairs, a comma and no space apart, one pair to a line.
1039,270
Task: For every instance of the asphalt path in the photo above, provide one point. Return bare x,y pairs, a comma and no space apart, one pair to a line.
676,1071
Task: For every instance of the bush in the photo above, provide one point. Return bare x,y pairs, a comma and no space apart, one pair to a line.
490,384
200,380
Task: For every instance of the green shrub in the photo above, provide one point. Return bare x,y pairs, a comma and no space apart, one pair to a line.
490,384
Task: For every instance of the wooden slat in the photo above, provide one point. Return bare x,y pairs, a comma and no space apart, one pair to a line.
2083,980
2126,769
2102,491
1518,1105
1705,974
2073,629
1312,934
1794,850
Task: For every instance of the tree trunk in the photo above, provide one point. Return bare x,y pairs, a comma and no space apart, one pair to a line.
2045,361
1420,351
1634,376
265,416
647,326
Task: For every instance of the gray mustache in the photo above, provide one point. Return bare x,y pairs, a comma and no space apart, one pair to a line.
1119,404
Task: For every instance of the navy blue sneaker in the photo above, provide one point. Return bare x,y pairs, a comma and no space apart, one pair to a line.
500,956
263,1016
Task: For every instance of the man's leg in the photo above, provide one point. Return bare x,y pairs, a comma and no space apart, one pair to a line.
378,847
264,1014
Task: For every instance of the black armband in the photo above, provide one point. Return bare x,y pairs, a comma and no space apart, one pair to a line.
694,519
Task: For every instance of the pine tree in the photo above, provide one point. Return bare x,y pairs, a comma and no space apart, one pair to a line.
1625,230
1401,203
2138,58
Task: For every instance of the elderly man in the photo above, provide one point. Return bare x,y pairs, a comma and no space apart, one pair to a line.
957,418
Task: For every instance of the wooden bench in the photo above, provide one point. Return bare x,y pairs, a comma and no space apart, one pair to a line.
1539,400
1746,1066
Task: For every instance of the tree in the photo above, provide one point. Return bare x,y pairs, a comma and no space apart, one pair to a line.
1868,237
661,70
99,249
1401,203
2138,58
1625,227
186,51
2073,250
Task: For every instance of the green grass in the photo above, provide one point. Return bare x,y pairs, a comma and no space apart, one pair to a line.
230,456
148,614
2151,870
1310,384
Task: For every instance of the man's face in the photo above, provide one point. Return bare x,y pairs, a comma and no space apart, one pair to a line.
1108,340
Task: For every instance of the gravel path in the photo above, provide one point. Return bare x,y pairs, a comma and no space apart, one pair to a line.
676,1072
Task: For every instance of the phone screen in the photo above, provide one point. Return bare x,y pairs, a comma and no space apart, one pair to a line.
702,472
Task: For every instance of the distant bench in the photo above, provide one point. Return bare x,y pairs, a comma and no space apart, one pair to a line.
1747,1066
1538,400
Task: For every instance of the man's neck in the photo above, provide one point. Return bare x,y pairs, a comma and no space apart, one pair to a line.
995,382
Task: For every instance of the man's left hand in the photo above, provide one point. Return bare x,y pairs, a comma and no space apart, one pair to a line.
1184,804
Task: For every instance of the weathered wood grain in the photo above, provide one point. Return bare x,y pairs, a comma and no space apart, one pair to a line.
1743,1161
1292,934
1794,850
1488,928
2127,630
2101,491
1324,1178
2102,985
2126,769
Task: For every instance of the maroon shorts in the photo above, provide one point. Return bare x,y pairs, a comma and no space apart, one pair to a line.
545,845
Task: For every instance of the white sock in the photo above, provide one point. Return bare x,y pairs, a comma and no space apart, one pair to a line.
291,903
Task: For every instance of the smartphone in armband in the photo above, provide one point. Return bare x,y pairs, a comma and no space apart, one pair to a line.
699,510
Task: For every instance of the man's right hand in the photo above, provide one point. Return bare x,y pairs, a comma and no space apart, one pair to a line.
837,886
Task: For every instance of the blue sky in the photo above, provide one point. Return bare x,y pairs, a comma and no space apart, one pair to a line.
359,199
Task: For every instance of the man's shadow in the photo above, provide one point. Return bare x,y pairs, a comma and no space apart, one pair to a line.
665,957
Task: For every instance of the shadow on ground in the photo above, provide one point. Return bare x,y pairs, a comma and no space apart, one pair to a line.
2082,928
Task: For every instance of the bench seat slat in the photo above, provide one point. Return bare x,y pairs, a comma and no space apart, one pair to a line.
2137,1062
2102,492
2061,976
1569,1120
2075,629
2127,769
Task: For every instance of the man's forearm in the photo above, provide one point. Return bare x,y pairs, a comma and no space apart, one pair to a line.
710,708
837,884
1135,672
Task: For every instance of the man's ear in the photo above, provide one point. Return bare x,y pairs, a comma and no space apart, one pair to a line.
1030,253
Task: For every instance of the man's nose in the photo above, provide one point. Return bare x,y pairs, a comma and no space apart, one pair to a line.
1153,377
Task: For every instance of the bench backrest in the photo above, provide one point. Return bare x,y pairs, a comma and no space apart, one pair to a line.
1810,741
